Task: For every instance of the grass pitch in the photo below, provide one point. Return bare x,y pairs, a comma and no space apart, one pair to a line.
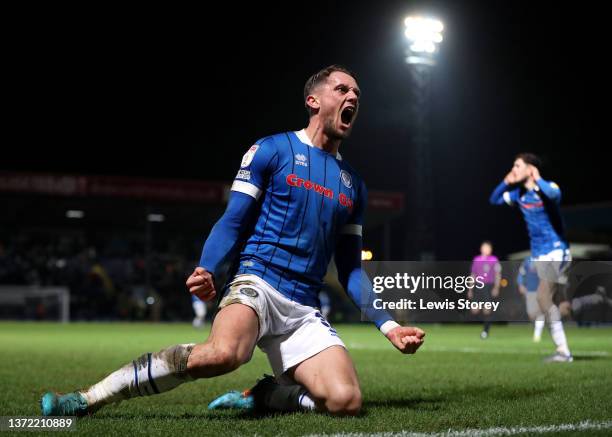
455,382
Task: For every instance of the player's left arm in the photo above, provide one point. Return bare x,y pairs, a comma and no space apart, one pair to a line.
358,286
549,189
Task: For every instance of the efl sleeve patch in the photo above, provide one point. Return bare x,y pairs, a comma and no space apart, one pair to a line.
249,155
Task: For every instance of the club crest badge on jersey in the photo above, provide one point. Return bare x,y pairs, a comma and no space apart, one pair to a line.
248,156
346,179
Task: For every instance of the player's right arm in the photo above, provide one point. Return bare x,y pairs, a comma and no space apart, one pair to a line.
221,244
229,232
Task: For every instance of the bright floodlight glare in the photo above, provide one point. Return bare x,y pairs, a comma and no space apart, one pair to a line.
424,35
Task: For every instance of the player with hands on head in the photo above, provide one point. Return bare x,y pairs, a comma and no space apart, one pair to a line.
539,202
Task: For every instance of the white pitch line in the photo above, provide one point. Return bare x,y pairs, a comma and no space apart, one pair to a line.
475,350
586,425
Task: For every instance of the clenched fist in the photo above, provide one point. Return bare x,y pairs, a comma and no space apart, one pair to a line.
201,284
406,338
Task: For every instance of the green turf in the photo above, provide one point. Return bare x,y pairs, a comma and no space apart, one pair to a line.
456,381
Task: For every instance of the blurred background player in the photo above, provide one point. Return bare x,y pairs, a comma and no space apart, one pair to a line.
539,201
487,266
528,282
199,309
579,306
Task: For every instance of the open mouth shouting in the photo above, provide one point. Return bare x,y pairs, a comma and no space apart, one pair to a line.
347,115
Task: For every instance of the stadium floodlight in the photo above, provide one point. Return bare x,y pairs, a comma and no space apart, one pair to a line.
424,35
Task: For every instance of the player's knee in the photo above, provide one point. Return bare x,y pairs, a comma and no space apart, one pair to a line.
344,400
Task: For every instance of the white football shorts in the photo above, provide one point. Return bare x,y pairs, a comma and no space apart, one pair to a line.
553,265
289,332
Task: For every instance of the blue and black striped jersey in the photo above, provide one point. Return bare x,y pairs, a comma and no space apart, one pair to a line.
307,198
540,208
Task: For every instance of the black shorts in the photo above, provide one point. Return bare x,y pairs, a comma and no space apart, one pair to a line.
483,294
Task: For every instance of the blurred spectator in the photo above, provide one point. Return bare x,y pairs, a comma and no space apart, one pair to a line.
107,279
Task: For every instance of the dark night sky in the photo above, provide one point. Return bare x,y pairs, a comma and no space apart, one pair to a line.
183,94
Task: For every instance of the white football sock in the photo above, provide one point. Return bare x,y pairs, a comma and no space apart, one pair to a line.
556,330
539,326
147,375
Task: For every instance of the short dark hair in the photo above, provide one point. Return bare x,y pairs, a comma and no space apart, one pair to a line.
320,77
530,158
